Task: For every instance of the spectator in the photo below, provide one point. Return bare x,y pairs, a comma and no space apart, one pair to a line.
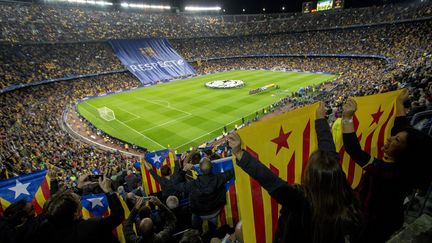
146,227
166,181
182,213
64,223
323,208
207,194
387,182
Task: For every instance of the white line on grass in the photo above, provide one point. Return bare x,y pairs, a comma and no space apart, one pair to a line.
133,119
169,107
190,141
134,130
128,112
165,123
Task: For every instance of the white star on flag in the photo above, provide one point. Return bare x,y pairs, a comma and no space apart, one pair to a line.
20,188
97,201
156,158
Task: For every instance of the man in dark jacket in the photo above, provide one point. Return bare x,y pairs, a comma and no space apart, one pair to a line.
207,194
167,181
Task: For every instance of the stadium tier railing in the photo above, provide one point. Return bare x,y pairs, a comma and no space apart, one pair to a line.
20,86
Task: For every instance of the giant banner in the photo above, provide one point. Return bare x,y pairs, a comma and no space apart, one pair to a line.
151,59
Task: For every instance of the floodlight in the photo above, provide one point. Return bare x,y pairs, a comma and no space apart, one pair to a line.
196,8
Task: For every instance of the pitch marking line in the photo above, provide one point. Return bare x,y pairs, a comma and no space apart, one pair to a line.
159,104
133,119
135,130
136,117
220,128
165,123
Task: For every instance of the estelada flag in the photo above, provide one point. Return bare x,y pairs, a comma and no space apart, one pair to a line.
97,206
229,214
282,143
373,122
157,160
34,188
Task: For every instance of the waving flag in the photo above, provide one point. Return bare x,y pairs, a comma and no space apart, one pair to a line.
282,143
373,121
96,205
157,159
229,214
34,188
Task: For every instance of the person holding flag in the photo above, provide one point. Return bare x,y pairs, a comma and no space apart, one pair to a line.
207,194
63,220
323,208
386,182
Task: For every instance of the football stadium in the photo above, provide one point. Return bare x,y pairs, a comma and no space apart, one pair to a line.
215,121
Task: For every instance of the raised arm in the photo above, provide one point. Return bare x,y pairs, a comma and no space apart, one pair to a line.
170,221
351,143
401,121
117,212
322,128
129,233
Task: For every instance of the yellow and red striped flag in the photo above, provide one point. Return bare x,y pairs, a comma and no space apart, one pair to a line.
157,159
373,121
34,188
282,143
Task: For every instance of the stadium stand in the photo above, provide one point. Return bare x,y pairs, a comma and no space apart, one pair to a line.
42,43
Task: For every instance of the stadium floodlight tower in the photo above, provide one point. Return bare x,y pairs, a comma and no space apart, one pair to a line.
106,113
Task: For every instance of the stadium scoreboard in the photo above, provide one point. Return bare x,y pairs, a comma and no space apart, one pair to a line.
322,5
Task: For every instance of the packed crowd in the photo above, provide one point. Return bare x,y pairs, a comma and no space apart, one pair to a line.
32,137
23,64
378,40
30,63
50,23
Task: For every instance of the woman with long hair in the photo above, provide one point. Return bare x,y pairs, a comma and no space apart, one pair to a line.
387,182
323,208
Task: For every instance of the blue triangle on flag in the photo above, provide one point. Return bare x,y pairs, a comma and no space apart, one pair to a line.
96,204
157,158
21,187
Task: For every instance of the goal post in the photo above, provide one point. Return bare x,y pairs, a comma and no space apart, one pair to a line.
106,113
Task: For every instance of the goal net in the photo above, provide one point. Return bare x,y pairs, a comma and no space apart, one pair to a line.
106,114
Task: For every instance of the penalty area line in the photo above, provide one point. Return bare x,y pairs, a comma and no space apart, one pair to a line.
160,145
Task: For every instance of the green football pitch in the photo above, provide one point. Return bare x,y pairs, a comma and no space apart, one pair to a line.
185,113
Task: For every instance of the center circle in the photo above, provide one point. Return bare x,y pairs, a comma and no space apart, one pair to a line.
225,84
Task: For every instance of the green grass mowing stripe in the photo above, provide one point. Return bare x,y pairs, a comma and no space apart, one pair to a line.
210,109
132,129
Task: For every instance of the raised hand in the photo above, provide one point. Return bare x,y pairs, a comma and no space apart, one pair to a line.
321,111
234,141
349,108
105,184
